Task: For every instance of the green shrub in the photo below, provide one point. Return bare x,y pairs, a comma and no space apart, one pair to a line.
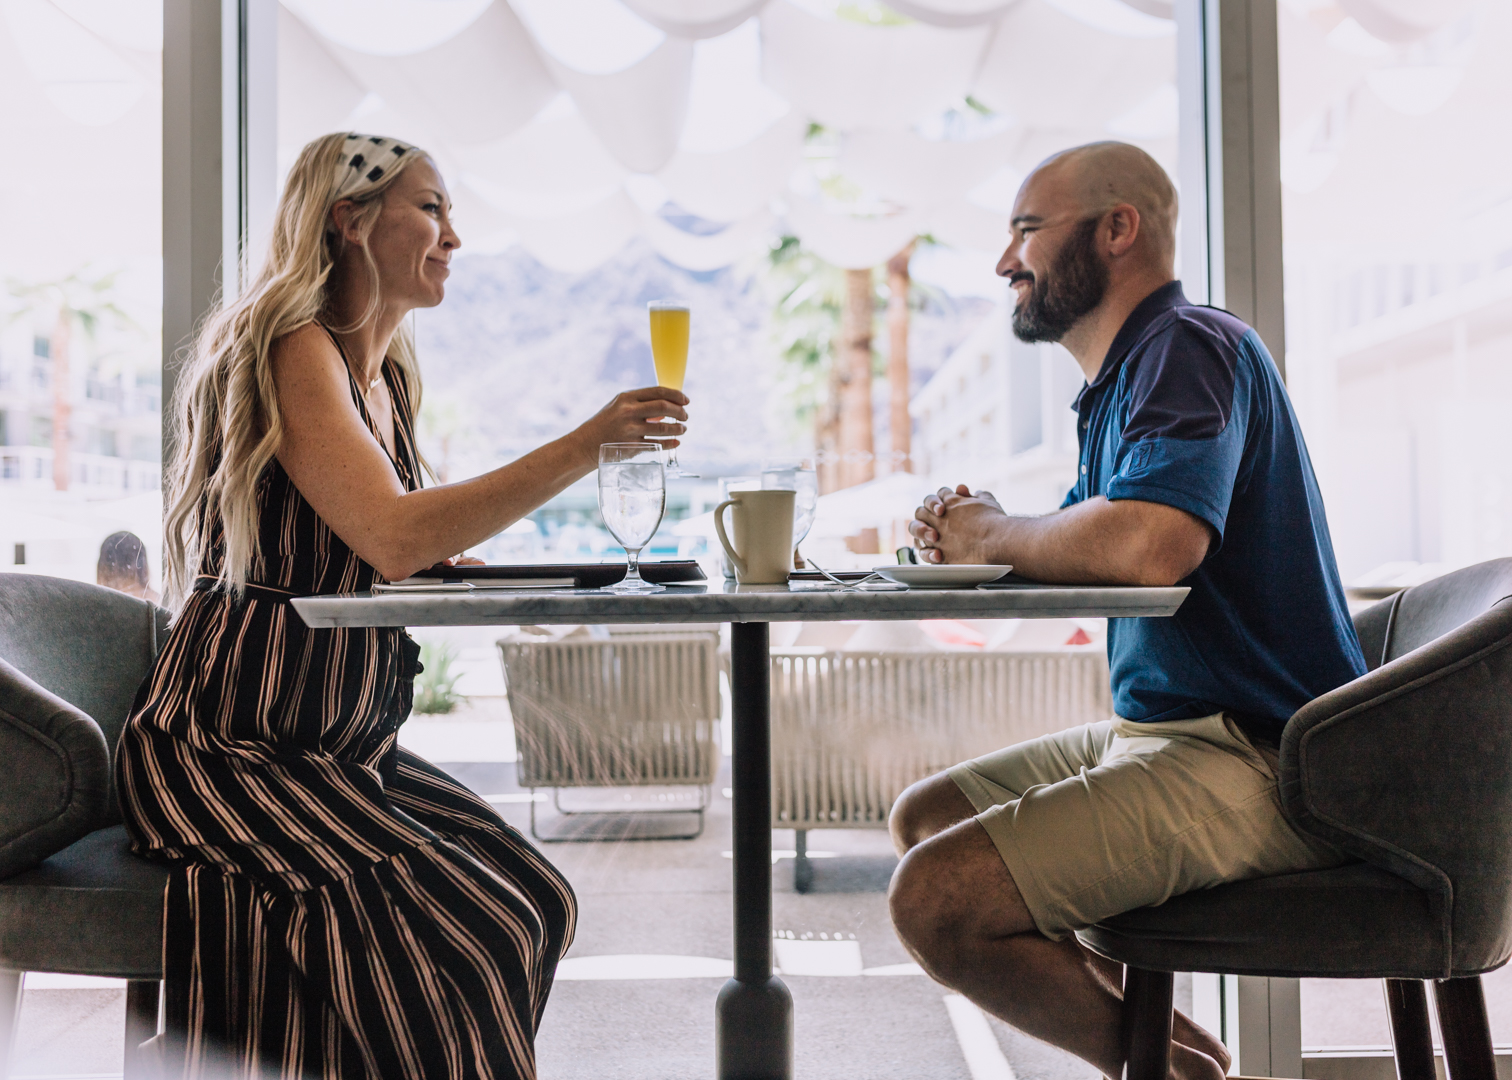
435,687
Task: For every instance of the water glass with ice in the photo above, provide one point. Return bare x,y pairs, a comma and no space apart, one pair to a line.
632,492
798,476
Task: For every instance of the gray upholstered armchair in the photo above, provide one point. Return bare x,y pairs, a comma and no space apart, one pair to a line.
73,899
1409,768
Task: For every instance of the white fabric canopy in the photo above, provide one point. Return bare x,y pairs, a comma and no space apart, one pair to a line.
695,18
952,13
964,224
569,125
482,84
914,171
737,183
315,93
851,242
578,242
847,75
708,252
388,27
1404,21
81,75
638,112
1086,80
551,167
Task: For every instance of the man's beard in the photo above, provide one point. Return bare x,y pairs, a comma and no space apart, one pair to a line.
1076,284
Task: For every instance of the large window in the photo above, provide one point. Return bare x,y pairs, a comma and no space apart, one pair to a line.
80,389
80,283
1398,254
768,169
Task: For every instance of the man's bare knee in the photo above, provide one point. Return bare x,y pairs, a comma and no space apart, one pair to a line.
923,916
950,893
927,808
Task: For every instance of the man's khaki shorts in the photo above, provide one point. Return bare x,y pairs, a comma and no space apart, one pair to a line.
1108,817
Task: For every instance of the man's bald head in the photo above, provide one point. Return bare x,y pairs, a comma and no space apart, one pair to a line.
1102,175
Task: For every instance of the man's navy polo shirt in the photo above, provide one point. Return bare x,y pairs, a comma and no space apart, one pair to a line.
1188,410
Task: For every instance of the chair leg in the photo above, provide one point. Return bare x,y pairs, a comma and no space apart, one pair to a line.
141,1024
1467,1033
803,869
1407,1008
1146,1024
10,1015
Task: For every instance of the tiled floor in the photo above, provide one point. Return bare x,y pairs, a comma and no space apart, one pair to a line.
636,997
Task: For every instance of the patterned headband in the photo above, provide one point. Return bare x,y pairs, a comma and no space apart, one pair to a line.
364,160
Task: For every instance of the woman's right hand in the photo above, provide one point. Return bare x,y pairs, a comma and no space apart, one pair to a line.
633,416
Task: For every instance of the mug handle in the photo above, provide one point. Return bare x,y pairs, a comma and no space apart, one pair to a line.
724,540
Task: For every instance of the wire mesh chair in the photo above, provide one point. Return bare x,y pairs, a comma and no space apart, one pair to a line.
631,710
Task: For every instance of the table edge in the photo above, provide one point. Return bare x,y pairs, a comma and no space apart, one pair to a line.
1052,602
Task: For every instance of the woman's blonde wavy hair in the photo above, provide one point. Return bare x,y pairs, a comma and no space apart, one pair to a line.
227,424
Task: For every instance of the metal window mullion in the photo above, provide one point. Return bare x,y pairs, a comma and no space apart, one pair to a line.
220,101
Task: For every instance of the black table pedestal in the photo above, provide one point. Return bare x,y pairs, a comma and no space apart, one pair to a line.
754,1011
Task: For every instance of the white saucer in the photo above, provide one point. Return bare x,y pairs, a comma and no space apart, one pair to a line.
945,576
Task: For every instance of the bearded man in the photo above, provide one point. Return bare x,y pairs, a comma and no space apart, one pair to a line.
1193,471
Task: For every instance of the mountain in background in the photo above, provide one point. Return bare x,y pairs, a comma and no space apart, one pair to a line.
519,354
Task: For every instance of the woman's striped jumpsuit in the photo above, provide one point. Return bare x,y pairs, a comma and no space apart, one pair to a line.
338,907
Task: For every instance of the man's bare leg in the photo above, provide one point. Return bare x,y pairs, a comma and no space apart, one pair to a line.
992,952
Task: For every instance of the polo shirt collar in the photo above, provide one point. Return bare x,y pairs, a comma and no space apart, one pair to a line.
1163,299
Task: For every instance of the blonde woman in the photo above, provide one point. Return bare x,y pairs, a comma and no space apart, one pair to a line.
337,907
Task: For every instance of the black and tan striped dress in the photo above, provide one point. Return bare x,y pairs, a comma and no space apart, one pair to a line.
338,907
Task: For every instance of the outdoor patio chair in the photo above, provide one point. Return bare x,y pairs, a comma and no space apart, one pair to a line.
73,899
852,729
1409,768
632,709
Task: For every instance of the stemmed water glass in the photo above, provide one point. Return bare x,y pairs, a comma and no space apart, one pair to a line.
798,476
632,495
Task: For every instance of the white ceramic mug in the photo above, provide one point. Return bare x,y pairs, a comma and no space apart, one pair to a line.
762,551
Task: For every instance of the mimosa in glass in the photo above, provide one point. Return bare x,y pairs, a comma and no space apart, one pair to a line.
669,353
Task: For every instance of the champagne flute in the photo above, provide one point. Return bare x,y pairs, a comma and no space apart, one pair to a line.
632,495
798,476
669,354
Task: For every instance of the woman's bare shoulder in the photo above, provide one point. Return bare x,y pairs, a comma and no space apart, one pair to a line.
305,353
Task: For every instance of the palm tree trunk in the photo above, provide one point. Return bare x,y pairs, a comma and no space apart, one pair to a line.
827,438
62,391
900,424
858,463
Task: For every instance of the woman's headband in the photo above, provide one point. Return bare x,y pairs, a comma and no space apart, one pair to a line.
364,160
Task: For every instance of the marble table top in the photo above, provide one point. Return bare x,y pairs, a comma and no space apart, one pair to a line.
721,602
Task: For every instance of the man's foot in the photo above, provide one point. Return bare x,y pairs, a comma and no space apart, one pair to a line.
1190,1035
1189,1064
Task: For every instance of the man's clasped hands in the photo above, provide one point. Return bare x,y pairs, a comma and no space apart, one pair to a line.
959,526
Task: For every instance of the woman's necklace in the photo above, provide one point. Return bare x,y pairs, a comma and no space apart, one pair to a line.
371,383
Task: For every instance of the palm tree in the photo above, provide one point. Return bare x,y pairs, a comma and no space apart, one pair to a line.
825,318
70,301
900,424
807,296
853,366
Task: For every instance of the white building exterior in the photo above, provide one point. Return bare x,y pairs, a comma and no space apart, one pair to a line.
115,434
114,447
997,415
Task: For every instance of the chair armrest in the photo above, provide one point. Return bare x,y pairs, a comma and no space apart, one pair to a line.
55,769
1410,768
